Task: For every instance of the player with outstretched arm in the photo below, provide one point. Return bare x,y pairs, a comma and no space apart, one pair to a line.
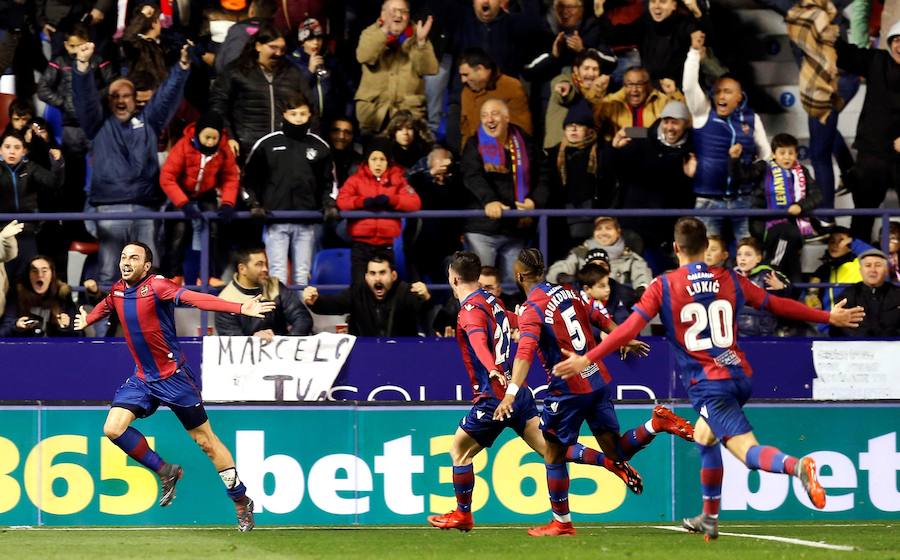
697,304
145,305
555,319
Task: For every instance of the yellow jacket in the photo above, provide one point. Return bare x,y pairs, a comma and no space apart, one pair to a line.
614,113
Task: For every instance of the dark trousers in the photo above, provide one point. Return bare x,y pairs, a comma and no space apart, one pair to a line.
179,234
783,246
874,175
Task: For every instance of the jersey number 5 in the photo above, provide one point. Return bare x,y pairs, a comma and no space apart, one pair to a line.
719,316
575,331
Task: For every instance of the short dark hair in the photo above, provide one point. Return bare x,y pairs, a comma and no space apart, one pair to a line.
148,252
591,273
476,56
295,99
784,140
241,255
20,107
490,271
533,261
381,257
690,235
467,265
12,132
751,242
77,29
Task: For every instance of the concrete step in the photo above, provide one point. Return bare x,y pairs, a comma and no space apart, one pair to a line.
762,22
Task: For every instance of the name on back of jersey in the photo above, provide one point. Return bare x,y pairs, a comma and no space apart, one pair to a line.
702,283
557,295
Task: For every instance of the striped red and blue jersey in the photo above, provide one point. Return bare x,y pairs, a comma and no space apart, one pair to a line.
482,331
552,319
598,313
146,312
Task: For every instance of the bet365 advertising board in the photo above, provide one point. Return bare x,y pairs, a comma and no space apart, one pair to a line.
390,465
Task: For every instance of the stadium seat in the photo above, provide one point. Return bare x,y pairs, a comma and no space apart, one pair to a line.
54,118
331,266
78,254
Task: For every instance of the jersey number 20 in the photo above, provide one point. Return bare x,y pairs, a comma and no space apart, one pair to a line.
501,338
719,316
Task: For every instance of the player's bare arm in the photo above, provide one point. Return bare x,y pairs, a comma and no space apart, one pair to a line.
845,317
257,308
504,410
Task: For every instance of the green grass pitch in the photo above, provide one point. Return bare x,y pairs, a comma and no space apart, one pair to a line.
750,540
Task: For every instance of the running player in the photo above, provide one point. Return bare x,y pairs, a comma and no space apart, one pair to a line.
553,319
697,304
483,333
145,305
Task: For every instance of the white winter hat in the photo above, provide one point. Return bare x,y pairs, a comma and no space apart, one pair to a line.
895,31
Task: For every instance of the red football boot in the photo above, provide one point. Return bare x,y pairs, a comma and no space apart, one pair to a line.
553,529
629,476
455,519
664,420
806,471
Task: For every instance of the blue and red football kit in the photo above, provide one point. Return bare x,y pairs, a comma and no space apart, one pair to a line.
697,305
482,331
552,319
146,312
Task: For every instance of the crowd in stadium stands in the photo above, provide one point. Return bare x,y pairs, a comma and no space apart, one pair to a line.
218,106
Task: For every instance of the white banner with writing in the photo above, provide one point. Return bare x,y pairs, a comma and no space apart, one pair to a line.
848,370
289,368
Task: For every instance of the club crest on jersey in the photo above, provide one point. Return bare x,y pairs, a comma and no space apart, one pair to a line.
311,153
145,289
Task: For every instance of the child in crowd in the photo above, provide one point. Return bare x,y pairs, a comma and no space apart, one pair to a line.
412,139
749,259
200,174
42,305
786,185
379,184
716,252
593,279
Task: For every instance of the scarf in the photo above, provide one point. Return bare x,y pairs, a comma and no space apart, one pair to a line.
783,188
590,139
396,41
809,27
590,94
295,131
615,250
205,150
494,157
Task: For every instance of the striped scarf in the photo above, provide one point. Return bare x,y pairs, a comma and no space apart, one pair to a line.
809,27
494,157
590,139
590,94
784,188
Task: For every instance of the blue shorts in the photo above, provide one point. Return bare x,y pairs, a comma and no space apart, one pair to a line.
479,423
721,403
180,392
563,415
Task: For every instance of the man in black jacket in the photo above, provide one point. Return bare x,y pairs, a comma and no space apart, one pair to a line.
878,130
879,298
381,306
251,279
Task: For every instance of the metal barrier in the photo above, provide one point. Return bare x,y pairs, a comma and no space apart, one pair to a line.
542,216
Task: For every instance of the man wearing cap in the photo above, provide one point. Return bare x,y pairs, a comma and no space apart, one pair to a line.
840,265
652,174
577,170
878,129
879,298
320,69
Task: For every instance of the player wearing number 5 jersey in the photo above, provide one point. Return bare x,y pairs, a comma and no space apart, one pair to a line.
555,319
484,340
697,305
145,305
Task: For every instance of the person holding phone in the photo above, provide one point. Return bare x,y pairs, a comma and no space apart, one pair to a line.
41,305
637,105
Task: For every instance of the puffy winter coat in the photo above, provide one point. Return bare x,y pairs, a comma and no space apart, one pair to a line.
19,186
55,85
363,185
187,173
711,144
250,105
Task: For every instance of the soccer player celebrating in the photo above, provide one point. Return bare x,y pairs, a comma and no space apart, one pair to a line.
556,319
697,304
483,333
145,305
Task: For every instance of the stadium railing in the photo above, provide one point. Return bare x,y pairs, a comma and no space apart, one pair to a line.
542,217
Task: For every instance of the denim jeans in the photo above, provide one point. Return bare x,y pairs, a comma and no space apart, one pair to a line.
435,91
825,140
490,247
114,234
740,226
298,241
